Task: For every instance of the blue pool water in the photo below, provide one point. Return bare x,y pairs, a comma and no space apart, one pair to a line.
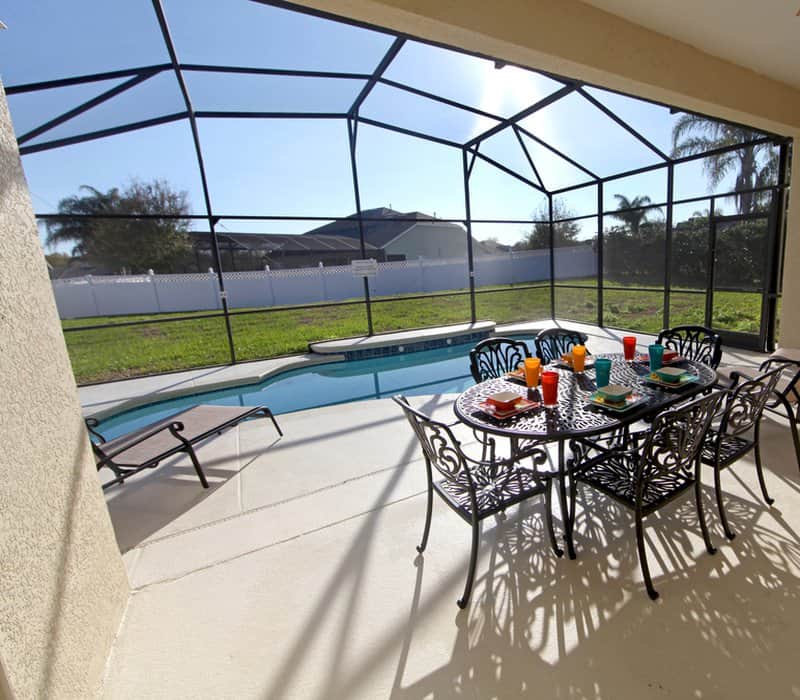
440,371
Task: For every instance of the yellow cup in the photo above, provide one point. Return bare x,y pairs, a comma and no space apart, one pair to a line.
578,357
533,366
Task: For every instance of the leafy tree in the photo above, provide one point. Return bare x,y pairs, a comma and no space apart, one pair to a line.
631,213
565,233
755,166
134,244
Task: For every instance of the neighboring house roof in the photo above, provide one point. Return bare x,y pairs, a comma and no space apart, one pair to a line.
378,233
490,247
281,242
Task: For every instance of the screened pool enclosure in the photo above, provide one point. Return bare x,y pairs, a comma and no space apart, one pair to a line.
205,173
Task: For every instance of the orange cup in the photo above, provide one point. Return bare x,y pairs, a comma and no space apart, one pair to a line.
533,366
578,357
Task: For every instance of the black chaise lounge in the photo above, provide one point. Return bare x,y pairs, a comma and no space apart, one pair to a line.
147,447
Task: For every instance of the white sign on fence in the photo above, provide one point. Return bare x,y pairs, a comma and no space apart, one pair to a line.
364,268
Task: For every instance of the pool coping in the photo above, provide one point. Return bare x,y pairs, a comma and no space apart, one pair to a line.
104,400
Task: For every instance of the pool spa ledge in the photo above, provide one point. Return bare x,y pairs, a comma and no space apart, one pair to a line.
104,400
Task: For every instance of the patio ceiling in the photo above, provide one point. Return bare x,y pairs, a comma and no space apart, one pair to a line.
761,36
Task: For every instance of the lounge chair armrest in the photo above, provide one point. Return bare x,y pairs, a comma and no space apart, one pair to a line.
91,424
174,427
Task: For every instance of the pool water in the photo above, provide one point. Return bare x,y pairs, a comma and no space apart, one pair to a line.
440,371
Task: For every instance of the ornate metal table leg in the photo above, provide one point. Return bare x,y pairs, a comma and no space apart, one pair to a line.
562,494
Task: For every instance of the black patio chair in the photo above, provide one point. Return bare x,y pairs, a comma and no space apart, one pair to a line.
552,343
475,489
696,343
655,467
493,357
726,443
786,393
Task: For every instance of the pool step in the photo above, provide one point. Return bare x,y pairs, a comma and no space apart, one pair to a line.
385,344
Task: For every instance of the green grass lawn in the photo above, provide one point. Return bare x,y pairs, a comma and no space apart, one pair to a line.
130,351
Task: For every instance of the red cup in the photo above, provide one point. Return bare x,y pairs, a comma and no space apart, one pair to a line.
550,388
629,347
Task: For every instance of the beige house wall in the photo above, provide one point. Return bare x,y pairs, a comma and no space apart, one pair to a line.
430,241
63,587
580,41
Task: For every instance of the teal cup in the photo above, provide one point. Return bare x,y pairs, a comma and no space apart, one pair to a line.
602,369
656,353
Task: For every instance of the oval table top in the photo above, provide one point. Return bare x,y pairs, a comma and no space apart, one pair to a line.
574,416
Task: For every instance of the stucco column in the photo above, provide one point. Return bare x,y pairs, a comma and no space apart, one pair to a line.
790,308
63,587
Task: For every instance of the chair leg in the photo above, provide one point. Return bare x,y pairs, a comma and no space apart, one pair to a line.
429,509
275,423
197,467
648,582
792,426
698,497
760,471
730,534
548,514
473,560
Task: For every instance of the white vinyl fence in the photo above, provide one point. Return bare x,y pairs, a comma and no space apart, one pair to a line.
88,296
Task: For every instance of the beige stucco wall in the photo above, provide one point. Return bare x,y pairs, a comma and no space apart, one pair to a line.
571,38
63,587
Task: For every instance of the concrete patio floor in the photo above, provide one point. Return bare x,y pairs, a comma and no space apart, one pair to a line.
295,576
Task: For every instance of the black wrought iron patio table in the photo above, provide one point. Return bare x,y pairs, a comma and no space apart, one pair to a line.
573,416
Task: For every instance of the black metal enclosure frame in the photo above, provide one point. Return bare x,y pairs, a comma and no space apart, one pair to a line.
470,153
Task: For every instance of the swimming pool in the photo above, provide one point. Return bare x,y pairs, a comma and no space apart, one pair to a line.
440,371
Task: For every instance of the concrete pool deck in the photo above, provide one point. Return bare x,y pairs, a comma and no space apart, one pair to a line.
295,576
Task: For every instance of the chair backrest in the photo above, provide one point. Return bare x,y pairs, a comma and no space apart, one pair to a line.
697,343
675,439
441,448
789,382
552,343
494,357
747,400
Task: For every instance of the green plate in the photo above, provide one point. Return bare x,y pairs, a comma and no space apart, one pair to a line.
630,402
653,378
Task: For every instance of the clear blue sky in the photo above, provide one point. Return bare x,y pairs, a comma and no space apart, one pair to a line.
302,167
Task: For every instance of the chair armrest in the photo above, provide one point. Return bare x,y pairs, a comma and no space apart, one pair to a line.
603,453
174,427
737,376
792,385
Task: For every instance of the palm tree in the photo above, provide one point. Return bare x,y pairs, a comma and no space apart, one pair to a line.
632,212
693,134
